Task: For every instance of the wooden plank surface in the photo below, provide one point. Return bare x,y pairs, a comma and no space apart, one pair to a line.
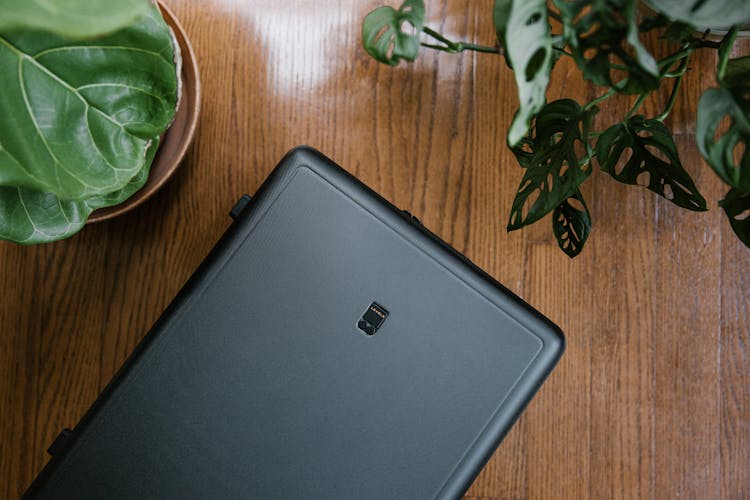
652,398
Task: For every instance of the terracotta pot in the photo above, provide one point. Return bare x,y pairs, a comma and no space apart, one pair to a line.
177,138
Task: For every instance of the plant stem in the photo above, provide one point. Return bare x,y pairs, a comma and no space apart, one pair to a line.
437,36
478,48
636,105
700,42
599,99
435,47
454,47
680,54
675,89
726,43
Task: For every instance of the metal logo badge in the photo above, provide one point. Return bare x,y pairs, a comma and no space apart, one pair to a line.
372,318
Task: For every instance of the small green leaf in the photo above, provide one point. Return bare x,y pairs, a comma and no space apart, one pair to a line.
736,205
70,18
703,14
557,160
571,224
524,31
604,33
640,151
719,149
384,34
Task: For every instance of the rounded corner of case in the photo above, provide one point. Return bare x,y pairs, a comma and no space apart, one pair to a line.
558,342
301,154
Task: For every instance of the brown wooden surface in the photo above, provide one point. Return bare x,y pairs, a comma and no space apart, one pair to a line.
651,400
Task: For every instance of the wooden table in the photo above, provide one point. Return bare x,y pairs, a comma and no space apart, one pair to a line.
651,400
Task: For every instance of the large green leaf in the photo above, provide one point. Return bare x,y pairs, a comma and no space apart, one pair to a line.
736,75
71,18
80,123
717,14
29,216
571,224
524,32
556,158
640,151
136,183
718,147
390,35
77,117
736,205
603,35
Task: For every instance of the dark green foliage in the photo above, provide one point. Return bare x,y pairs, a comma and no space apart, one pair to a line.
641,151
736,205
557,163
602,35
552,142
571,224
727,149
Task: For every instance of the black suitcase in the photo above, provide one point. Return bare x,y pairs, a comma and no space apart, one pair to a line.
328,347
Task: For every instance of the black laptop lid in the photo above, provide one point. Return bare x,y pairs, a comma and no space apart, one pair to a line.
329,347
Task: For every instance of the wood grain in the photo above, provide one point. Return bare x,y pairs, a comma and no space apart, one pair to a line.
652,398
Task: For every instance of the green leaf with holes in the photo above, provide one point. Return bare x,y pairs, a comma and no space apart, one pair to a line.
603,37
716,14
736,75
30,216
728,152
71,18
556,158
571,224
736,205
390,35
523,30
640,151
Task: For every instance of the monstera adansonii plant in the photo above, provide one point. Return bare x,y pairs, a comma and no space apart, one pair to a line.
554,142
86,90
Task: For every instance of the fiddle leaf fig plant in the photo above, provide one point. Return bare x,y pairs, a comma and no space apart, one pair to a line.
80,116
553,141
71,18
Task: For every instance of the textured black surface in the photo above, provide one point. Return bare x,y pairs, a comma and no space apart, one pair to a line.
257,383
